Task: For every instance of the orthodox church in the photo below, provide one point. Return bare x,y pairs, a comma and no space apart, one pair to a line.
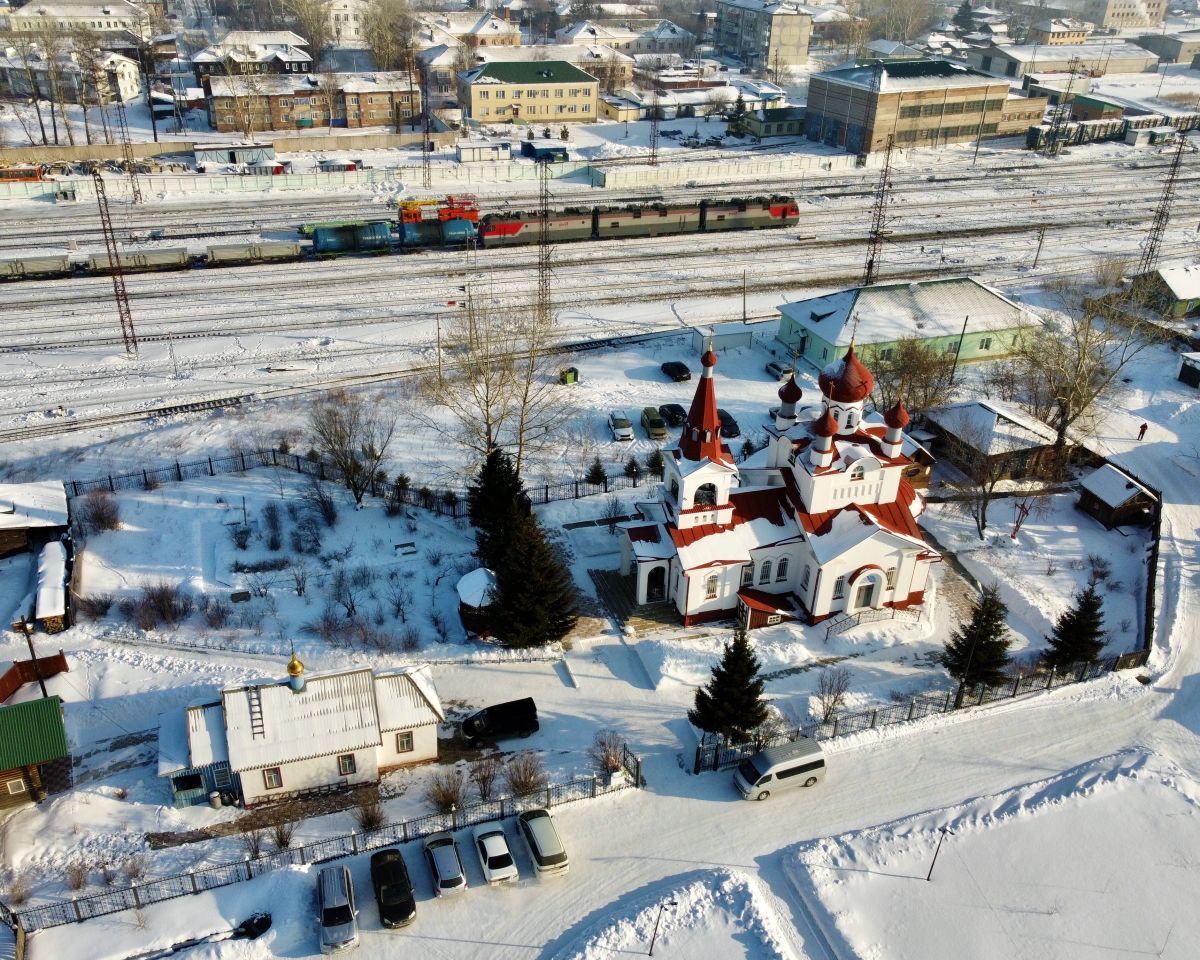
820,522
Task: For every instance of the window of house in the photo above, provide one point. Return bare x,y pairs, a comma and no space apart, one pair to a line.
857,472
773,618
710,587
890,573
15,786
824,353
748,574
483,111
571,108
221,777
483,94
404,742
587,108
560,109
346,765
516,94
764,575
804,578
781,571
985,343
499,94
951,347
839,588
272,778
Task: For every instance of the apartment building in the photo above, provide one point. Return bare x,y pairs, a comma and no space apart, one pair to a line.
103,79
763,35
253,51
116,16
1058,31
630,36
1109,14
544,91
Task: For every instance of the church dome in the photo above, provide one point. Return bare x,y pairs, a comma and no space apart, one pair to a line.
827,426
897,417
790,392
708,358
847,380
295,668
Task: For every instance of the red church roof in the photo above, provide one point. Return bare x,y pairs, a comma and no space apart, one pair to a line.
846,380
790,392
701,437
897,417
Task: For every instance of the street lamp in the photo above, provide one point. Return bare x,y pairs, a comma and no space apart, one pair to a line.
661,907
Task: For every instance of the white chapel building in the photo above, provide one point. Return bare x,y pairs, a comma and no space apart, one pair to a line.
820,522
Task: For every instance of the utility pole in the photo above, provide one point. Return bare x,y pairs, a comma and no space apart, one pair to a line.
426,129
878,217
743,296
544,306
957,353
1162,214
114,264
1063,110
1041,237
127,151
652,160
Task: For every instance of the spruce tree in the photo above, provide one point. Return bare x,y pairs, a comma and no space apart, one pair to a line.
654,464
496,498
633,469
595,474
963,17
1078,636
534,599
977,652
731,704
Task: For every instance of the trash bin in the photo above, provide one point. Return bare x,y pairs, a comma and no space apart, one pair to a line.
214,799
568,375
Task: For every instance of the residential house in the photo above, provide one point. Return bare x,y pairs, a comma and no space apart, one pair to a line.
611,68
1179,47
31,514
35,759
347,18
1107,14
1172,291
764,34
1098,59
1013,444
1058,31
545,91
776,122
894,50
112,17
470,28
272,741
629,36
820,522
1115,498
253,52
100,79
916,103
831,23
1189,369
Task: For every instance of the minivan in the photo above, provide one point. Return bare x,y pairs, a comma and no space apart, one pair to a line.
797,764
516,718
546,850
336,911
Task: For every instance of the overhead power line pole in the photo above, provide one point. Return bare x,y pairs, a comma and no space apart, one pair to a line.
426,130
1162,213
878,217
544,305
127,151
114,263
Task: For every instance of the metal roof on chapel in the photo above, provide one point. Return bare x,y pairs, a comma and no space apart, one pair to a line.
847,380
702,432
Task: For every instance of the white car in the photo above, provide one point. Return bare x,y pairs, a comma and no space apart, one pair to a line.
620,426
494,856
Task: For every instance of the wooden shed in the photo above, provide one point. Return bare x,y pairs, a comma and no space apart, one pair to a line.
1115,498
475,592
31,514
35,759
1189,369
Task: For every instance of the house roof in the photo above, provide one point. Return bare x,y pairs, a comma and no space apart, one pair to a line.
32,732
1183,282
282,84
536,71
567,52
776,114
649,541
991,427
886,312
51,581
908,74
42,503
261,38
407,698
1113,487
761,518
773,7
1087,52
893,48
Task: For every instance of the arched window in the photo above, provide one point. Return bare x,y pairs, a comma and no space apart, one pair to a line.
675,489
748,574
710,587
857,472
782,570
851,419
706,494
805,577
765,575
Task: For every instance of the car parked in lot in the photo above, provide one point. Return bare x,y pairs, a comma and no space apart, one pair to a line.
620,426
445,864
677,371
729,426
546,849
516,718
393,889
654,425
779,369
335,910
673,413
494,856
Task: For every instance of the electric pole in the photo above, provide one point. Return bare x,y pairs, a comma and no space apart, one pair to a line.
1063,111
127,151
544,305
426,129
114,264
652,160
878,217
1162,214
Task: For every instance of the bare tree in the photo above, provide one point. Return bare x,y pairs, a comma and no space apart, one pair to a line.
981,469
354,433
388,30
832,686
901,19
247,94
484,773
313,23
26,49
912,366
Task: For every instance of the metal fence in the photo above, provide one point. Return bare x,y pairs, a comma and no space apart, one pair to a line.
715,754
146,892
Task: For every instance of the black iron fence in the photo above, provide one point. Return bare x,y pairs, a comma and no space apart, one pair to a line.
156,890
713,753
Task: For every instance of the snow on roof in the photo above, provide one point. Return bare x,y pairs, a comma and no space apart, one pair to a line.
172,743
1027,53
39,504
992,427
648,541
334,713
570,52
1184,283
407,698
760,519
914,74
206,734
847,530
1112,487
51,580
887,312
475,588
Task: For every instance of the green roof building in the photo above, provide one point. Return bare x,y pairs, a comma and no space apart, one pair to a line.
536,91
35,758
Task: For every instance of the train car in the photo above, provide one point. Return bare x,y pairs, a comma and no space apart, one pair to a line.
749,214
139,261
439,223
363,236
270,251
652,220
21,174
36,268
517,229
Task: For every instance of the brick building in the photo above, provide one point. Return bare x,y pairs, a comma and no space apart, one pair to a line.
769,35
545,91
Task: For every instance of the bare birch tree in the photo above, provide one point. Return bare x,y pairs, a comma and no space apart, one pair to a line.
313,23
388,30
914,367
354,433
981,470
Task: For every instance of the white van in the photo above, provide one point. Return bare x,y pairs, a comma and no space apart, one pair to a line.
796,764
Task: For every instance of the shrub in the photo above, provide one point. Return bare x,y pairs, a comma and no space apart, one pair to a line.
134,867
525,774
832,686
19,889
606,751
328,625
216,614
164,602
240,535
434,556
320,501
108,873
368,811
281,833
447,789
270,565
1101,567
100,512
95,606
75,875
410,640
271,517
252,842
440,627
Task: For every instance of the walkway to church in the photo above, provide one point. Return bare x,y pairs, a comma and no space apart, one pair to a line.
616,592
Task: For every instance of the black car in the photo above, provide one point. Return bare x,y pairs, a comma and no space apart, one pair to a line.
729,426
515,718
393,890
677,371
673,413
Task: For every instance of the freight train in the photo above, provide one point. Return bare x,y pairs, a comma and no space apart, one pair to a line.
454,221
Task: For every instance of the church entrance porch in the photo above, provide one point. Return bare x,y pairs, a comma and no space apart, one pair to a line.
618,594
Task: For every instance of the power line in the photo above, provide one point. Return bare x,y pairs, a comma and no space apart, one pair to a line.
426,128
114,266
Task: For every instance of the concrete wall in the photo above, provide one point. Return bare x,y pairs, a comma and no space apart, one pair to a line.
732,170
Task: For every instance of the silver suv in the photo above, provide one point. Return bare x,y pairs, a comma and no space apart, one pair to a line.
445,864
335,910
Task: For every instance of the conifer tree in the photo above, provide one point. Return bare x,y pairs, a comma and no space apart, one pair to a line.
1078,636
963,17
977,652
534,599
731,703
595,474
633,469
654,464
496,499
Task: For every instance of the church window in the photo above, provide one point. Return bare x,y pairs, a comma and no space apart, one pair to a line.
891,577
674,488
851,419
857,473
706,494
839,588
781,571
804,579
765,575
748,574
710,587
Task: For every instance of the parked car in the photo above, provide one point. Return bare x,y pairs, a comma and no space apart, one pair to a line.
445,864
546,850
494,856
729,426
335,910
677,371
516,718
653,424
673,413
393,889
779,369
620,426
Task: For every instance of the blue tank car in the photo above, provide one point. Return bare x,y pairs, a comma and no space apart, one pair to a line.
352,237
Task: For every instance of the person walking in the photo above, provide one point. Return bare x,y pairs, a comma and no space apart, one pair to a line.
1142,430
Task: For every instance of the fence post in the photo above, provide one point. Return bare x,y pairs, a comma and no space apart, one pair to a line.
606,483
548,804
982,692
946,705
502,799
145,479
78,912
136,896
192,878
698,762
211,471
546,493
576,489
1050,678
111,488
836,718
1016,683
354,840
404,830
638,762
75,487
912,705
874,714
242,457
246,861
274,459
593,786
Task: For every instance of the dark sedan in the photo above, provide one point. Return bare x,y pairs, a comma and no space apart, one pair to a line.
729,426
677,371
393,889
673,413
